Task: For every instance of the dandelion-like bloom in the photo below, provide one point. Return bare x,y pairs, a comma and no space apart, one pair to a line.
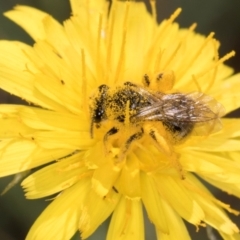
99,167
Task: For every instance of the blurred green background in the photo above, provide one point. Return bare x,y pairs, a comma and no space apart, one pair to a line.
16,213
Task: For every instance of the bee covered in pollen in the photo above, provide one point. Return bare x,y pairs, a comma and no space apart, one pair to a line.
135,112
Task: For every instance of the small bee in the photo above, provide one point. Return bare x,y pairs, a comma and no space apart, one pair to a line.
167,118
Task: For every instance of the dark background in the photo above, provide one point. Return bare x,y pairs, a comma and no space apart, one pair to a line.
16,213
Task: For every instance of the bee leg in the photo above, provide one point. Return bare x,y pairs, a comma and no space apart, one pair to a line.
111,132
163,81
146,80
164,146
128,143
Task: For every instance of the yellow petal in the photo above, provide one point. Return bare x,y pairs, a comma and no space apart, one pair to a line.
11,125
18,74
153,204
130,173
95,210
80,7
95,156
230,128
21,155
217,144
93,14
31,20
15,76
210,164
57,79
83,54
231,97
235,156
63,139
55,35
177,228
126,49
56,95
48,120
60,219
214,215
228,187
55,177
102,183
171,189
127,221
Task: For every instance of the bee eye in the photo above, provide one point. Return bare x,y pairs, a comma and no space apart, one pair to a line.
98,115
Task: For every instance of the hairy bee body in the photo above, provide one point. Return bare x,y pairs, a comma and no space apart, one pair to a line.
112,106
142,108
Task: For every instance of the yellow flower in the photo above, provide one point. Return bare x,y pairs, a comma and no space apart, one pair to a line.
100,161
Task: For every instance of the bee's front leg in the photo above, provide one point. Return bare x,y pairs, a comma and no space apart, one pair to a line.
162,82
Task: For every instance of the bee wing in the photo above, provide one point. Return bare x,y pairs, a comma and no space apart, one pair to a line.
151,98
206,128
210,113
194,107
206,107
